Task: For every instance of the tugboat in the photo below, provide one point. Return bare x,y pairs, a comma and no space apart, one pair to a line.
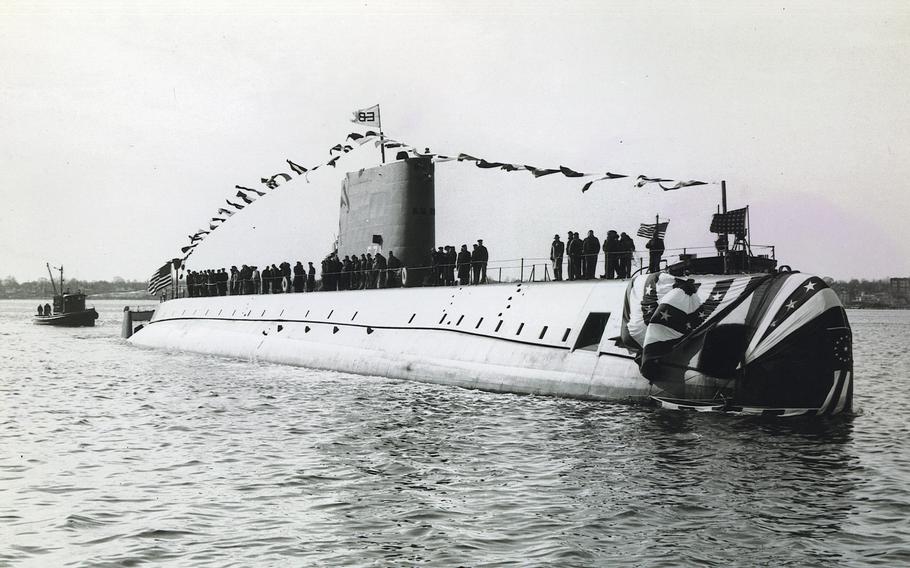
69,308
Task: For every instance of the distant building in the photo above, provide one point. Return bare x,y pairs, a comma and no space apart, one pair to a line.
900,289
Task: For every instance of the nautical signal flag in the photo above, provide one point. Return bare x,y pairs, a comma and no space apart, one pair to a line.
730,222
160,279
647,231
367,116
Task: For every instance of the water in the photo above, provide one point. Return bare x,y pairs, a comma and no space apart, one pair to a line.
111,455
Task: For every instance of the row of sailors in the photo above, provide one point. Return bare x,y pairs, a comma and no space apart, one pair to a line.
471,266
249,280
618,249
359,273
350,273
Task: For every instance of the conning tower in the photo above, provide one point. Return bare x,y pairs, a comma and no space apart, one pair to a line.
391,207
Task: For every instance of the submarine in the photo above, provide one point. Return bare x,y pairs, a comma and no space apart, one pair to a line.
732,333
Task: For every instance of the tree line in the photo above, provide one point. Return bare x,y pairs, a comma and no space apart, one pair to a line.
10,288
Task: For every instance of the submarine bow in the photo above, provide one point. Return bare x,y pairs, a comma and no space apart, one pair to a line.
774,343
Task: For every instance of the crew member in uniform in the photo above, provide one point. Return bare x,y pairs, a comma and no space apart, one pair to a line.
464,266
611,255
627,249
311,277
482,255
394,270
656,246
590,249
557,249
380,265
299,277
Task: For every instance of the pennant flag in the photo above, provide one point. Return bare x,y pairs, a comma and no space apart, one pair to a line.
295,168
213,226
269,182
463,157
236,206
354,136
160,279
331,162
540,172
607,175
223,211
485,164
730,222
647,231
367,116
194,238
642,181
243,196
512,167
571,173
347,148
680,184
257,192
202,232
217,220
335,148
186,248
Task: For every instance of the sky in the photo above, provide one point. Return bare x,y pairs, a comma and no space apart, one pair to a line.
124,129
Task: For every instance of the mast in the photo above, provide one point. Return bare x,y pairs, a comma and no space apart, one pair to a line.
723,194
52,278
381,137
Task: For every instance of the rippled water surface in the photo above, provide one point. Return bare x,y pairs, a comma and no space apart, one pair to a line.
115,455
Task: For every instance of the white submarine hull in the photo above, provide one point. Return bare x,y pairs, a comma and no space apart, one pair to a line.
768,345
519,338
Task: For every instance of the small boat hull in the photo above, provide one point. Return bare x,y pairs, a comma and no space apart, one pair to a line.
82,318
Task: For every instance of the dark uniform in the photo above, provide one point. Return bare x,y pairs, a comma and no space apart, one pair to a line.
394,270
311,278
611,255
480,257
590,250
656,246
299,277
627,249
557,250
464,266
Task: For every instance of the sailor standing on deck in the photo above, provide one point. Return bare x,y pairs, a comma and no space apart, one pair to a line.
311,277
394,270
257,281
464,266
627,249
570,253
299,277
590,249
557,249
482,255
656,246
611,255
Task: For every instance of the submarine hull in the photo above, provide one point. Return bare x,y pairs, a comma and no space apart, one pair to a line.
566,339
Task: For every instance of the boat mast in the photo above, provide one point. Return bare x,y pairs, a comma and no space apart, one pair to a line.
49,273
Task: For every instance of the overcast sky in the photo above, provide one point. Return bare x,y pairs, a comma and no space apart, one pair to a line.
124,130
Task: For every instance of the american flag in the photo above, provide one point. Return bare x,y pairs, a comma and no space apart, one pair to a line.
647,231
160,279
730,222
